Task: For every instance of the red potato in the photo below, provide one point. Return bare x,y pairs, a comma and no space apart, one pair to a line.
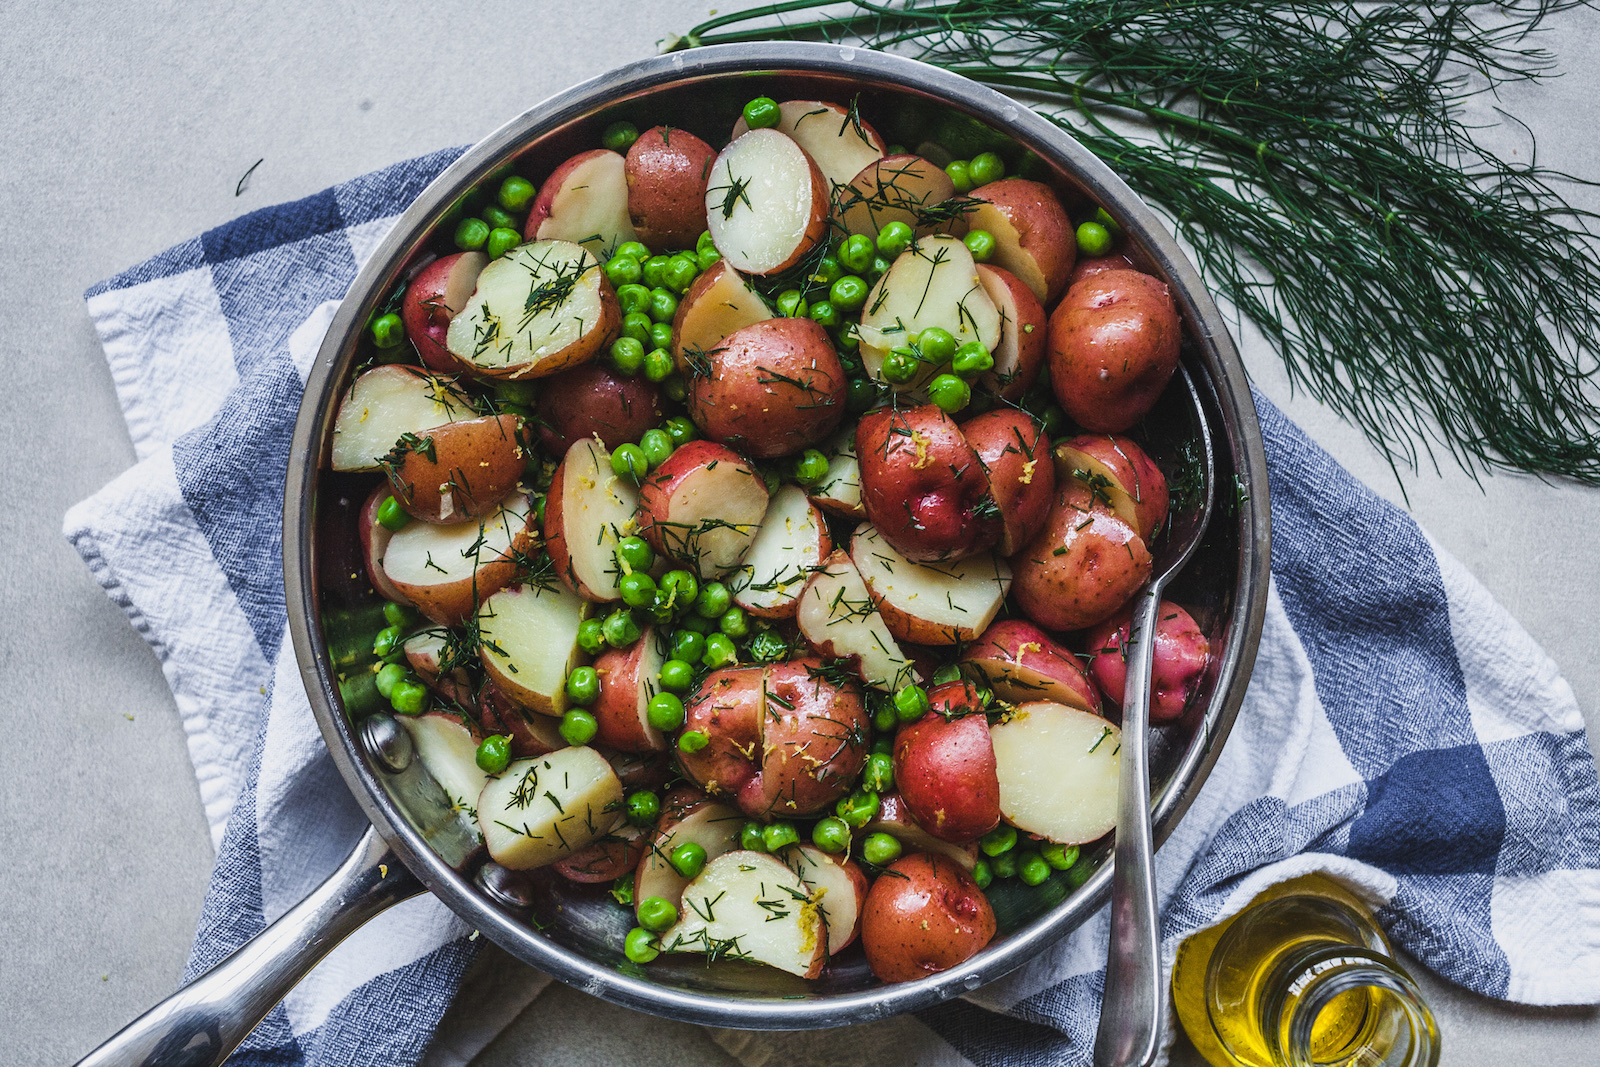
944,767
925,916
434,297
839,888
588,509
608,859
929,603
1089,266
426,652
767,203
541,810
629,677
539,309
642,770
531,734
459,471
1114,341
702,507
686,816
592,400
718,302
385,403
770,389
1020,355
1120,475
448,748
839,491
375,542
903,188
923,486
838,139
585,200
530,643
1034,238
750,906
1084,564
837,617
791,544
446,571
1022,480
934,283
894,818
1180,659
667,174
1022,663
1058,769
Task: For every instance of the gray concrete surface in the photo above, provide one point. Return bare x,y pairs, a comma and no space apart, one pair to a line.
125,131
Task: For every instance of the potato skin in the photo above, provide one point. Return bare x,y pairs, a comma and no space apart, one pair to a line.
769,389
605,860
1182,652
1025,328
1142,482
594,401
426,313
1089,266
922,484
1114,342
1015,455
1022,663
461,470
726,707
617,709
1044,233
667,170
374,540
531,734
924,915
1101,565
945,768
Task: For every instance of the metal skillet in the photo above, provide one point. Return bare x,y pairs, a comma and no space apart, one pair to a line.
571,931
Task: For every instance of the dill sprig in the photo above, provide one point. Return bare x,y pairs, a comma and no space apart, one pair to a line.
1316,158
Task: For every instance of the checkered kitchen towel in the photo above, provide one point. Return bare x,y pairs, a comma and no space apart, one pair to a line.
1401,731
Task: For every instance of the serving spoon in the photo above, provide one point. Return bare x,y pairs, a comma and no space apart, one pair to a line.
1134,1002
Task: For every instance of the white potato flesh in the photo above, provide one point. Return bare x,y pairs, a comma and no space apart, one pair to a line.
425,651
787,548
714,514
1058,770
840,489
726,304
749,906
530,304
956,601
538,810
714,827
833,890
837,617
427,554
598,509
760,201
530,643
385,403
448,749
591,207
933,283
842,147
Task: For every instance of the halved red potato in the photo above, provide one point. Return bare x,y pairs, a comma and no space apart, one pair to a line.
686,817
1020,355
629,677
929,603
727,706
924,915
667,173
792,542
903,188
1058,769
1033,236
894,818
592,400
458,471
702,507
1082,567
587,510
585,200
529,643
1022,663
837,616
839,491
375,542
1114,342
923,486
541,810
446,571
448,748
836,137
770,389
749,906
944,767
435,296
766,203
1120,475
718,302
837,886
385,403
934,283
1022,479
538,309
608,859
426,652
531,734
1182,650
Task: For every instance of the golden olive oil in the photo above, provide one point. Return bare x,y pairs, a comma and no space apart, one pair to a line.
1303,976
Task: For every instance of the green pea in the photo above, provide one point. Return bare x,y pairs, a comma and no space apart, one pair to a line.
750,836
388,331
654,270
1031,868
619,136
705,243
950,393
779,835
681,429
883,746
1000,840
856,253
692,741
697,624
831,834
791,305
628,462
768,646
641,945
665,711
857,809
515,192
637,589
578,727
769,476
810,468
408,697
823,313
828,270
719,652
860,396
762,113
986,167
910,703
1054,420
1093,239
620,629
623,270
385,642
538,509
879,773
657,914
885,719
960,172
972,360
632,250
494,753
663,305
683,587
643,808
661,335
879,266
655,444
392,516
1004,865
627,354
981,244
982,874
894,239
900,366
1103,217
591,636
714,601
658,367
1060,857
688,859
676,676
735,623
674,388
680,273
937,345
498,219
633,296
583,685
848,341
471,233
688,646
635,554
880,849
636,325
398,614
622,890
706,258
389,675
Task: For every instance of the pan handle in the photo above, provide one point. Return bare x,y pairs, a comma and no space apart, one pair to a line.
203,1022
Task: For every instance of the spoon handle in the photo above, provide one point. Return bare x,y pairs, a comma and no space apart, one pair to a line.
1132,1008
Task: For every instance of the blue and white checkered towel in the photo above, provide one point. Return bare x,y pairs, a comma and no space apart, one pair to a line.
1401,730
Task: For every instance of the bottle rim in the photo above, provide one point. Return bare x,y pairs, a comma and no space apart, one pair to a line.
1315,979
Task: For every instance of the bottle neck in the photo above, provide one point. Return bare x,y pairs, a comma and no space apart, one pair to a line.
1344,1006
